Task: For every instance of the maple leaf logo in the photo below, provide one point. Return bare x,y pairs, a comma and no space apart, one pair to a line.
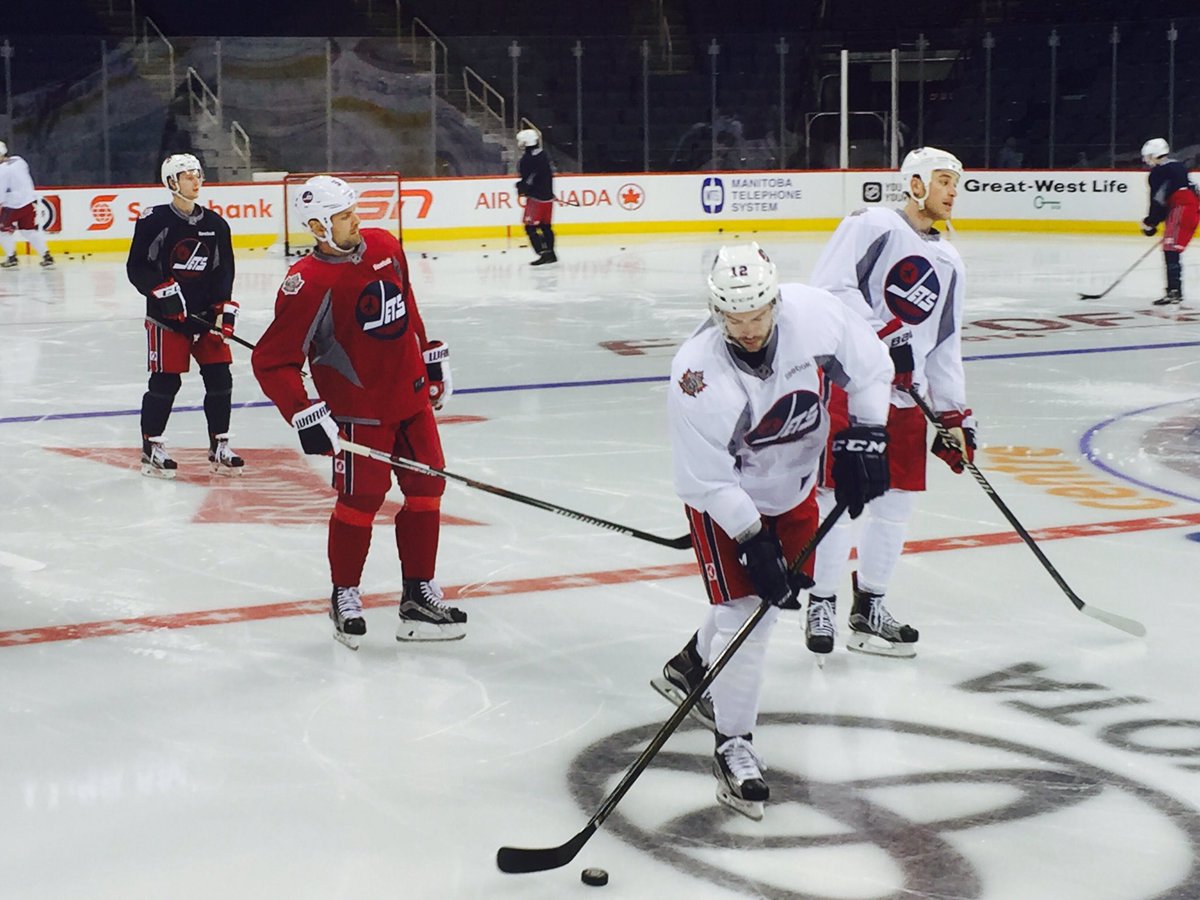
631,196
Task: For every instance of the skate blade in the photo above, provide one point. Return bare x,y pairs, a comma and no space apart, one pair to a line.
673,696
227,471
873,645
751,809
427,631
347,640
152,472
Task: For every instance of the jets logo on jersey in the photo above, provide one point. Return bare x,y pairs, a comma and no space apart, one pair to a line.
794,416
911,289
381,310
189,258
692,383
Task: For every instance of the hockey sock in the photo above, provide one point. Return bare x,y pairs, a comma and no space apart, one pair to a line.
157,403
218,397
418,527
535,239
37,240
8,242
1174,270
547,238
350,538
737,690
829,567
883,539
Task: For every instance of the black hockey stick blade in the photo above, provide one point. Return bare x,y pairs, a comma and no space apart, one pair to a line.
519,861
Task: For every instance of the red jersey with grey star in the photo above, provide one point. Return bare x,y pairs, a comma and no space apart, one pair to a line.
354,321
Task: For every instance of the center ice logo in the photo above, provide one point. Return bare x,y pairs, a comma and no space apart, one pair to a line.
911,289
791,418
381,310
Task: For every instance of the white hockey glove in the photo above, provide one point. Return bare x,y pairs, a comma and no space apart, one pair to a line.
437,373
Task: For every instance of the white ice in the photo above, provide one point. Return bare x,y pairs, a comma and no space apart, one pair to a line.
176,721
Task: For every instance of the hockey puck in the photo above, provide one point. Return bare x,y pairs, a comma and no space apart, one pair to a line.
594,877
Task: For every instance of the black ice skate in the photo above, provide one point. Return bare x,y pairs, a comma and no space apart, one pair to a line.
683,672
1173,295
345,609
820,629
738,769
155,462
9,263
424,616
873,630
221,458
546,258
47,260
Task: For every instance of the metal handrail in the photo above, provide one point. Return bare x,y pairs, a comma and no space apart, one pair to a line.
202,98
236,131
481,95
147,24
417,23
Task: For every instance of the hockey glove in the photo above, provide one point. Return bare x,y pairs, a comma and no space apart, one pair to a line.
437,373
318,431
762,558
1148,229
227,318
899,343
170,300
961,426
860,466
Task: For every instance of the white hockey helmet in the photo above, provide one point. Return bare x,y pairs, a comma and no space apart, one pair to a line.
1154,149
322,197
742,279
527,137
175,165
923,162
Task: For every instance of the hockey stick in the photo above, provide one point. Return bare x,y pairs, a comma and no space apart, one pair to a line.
1130,626
683,542
213,329
1121,277
519,860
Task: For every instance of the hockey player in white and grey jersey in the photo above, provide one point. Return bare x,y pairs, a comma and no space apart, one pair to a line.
748,433
893,268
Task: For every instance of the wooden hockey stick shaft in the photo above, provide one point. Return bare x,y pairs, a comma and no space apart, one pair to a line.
1130,626
684,542
1121,277
518,860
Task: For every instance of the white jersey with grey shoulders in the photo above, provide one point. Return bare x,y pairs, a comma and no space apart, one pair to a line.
16,184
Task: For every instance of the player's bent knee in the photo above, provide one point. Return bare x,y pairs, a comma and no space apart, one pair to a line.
217,378
423,504
165,384
358,510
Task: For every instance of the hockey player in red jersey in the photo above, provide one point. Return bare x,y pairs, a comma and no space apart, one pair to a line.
1175,205
181,260
348,311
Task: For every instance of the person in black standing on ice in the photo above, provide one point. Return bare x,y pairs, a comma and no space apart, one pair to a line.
537,187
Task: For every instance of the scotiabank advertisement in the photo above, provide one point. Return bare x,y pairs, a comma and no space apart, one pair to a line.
455,208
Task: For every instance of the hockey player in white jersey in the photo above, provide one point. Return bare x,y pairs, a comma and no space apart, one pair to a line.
17,213
893,268
748,431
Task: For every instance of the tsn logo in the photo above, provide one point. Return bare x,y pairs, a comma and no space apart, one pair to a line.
390,310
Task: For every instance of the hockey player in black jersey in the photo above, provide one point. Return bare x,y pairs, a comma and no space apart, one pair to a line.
537,187
181,260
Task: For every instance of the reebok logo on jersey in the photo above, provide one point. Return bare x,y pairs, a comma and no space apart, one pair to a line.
207,233
911,289
792,417
796,370
382,264
381,310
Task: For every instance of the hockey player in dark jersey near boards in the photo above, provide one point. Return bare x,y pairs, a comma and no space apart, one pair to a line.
537,187
181,259
1175,204
348,311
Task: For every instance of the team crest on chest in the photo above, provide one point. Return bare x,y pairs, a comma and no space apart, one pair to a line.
911,289
292,284
692,383
382,311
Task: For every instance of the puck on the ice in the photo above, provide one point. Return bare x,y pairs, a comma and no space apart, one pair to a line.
594,877
1194,536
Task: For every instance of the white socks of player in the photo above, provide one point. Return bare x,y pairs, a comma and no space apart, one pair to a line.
738,769
221,458
155,462
424,616
346,611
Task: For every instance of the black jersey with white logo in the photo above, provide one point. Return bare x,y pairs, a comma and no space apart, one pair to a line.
194,250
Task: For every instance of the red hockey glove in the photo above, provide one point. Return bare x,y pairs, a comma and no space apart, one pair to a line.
437,373
170,300
961,426
898,338
227,318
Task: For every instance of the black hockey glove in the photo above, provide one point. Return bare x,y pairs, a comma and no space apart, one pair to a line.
170,300
317,429
860,466
762,558
1147,229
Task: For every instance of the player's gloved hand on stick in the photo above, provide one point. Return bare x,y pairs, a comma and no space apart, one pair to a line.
860,466
961,426
317,429
1147,229
170,300
227,318
762,558
437,373
898,338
